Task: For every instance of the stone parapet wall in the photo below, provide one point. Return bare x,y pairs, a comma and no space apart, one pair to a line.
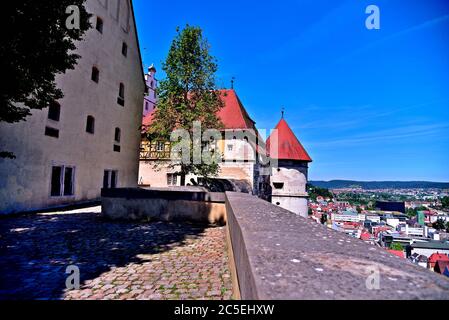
176,204
279,255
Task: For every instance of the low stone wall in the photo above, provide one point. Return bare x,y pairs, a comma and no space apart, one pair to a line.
180,204
279,255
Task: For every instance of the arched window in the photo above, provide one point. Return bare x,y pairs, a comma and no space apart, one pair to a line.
95,74
99,25
90,125
117,135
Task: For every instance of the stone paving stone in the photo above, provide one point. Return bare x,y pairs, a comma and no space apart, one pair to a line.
117,260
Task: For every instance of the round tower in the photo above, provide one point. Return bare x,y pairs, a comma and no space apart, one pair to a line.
289,176
150,99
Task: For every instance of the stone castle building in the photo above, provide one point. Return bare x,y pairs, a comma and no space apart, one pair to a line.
89,139
242,168
240,165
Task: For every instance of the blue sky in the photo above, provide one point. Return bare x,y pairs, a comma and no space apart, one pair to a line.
366,104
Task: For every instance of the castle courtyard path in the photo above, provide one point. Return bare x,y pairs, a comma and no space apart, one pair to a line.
116,260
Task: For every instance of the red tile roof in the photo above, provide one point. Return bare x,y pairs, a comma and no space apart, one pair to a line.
365,236
398,253
289,147
233,115
434,258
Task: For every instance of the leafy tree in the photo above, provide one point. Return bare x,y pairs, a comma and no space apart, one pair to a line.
36,47
447,226
188,94
445,202
396,246
359,210
439,224
411,212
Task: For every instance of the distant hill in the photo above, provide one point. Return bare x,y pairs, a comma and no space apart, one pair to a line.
367,185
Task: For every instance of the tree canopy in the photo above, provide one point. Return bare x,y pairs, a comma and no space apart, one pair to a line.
188,94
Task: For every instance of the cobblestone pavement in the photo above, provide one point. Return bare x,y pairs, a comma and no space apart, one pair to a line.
117,260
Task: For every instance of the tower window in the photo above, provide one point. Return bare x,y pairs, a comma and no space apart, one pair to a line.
90,125
51,132
125,49
278,185
117,135
146,105
54,111
95,74
121,95
99,25
117,148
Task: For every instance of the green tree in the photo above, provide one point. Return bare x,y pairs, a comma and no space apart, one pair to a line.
359,210
445,202
396,246
188,94
439,225
36,47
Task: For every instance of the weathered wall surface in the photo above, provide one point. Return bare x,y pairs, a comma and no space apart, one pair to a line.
279,255
25,181
180,204
288,185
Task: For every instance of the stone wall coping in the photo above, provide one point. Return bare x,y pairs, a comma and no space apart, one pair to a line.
279,255
178,193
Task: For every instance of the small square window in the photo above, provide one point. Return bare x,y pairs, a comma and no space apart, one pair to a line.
278,185
51,132
230,147
117,148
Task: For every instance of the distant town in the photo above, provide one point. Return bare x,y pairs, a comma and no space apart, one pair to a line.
412,223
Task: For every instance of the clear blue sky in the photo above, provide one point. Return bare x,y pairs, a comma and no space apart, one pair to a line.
366,104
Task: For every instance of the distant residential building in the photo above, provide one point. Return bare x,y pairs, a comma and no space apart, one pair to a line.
427,248
89,139
348,216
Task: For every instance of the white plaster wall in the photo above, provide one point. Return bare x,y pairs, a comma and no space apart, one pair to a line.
298,205
25,181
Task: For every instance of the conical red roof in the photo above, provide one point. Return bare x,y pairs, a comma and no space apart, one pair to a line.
289,147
